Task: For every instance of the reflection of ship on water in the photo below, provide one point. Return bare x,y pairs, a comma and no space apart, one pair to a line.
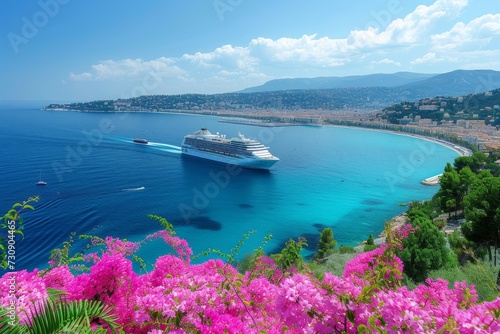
239,151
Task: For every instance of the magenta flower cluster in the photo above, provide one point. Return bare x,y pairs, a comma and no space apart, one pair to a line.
213,297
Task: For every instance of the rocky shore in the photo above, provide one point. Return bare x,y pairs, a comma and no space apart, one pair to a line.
397,221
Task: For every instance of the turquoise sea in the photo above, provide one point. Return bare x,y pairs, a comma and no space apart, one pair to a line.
100,182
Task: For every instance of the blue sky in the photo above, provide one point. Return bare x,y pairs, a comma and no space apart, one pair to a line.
70,50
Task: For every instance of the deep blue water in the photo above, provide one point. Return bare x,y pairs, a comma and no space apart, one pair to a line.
99,182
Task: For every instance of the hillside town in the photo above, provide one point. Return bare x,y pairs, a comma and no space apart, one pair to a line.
472,120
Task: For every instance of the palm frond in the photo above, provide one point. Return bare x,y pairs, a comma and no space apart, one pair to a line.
8,325
69,317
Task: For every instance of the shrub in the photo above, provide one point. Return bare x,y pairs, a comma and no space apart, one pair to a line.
346,250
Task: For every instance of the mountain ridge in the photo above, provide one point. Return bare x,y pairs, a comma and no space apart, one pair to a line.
462,82
455,83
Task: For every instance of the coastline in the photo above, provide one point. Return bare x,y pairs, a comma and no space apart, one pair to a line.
258,121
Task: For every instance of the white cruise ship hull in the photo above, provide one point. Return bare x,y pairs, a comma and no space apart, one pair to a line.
246,162
240,151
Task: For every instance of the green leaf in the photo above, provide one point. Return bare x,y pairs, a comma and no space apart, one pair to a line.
350,315
29,207
363,329
12,213
55,294
73,317
6,323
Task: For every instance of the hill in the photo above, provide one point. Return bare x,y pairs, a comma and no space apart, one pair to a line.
355,81
412,85
456,83
354,98
479,107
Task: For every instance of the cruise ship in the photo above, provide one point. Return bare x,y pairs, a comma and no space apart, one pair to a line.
239,151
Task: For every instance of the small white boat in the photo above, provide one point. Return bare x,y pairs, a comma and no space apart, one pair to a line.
40,182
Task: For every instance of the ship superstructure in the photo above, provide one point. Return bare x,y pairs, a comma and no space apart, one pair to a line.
240,151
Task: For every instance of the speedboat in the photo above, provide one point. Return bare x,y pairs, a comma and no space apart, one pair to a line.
140,141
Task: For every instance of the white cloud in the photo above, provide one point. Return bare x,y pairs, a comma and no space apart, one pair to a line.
111,69
291,53
80,77
427,58
226,56
477,33
413,28
328,52
386,61
266,58
468,45
316,51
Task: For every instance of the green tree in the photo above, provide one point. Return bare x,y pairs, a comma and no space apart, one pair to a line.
326,244
451,190
430,209
482,210
290,255
494,168
370,244
451,205
424,250
458,245
467,176
417,213
491,164
462,162
474,162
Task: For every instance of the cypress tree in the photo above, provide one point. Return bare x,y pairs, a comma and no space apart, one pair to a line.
326,243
